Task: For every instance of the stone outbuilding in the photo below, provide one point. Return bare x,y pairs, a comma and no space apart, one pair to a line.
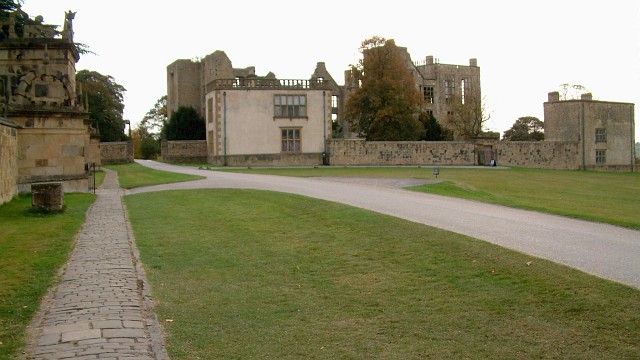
604,130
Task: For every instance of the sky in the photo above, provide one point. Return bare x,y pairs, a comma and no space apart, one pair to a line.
524,49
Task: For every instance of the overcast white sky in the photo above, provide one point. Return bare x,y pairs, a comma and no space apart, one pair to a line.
524,49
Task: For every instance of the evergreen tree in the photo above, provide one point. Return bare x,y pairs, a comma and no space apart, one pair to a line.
186,124
432,129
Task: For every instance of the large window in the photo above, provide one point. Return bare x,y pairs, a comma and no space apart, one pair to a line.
601,135
290,106
428,94
465,89
291,140
449,90
601,156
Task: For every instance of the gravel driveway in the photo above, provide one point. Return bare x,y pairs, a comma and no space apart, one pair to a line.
603,250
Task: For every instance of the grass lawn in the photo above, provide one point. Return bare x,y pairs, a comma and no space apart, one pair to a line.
33,247
597,196
133,175
256,274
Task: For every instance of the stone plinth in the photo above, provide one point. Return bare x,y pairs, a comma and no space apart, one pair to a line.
47,197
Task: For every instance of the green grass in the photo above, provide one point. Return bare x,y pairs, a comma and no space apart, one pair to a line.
99,178
596,196
33,248
133,175
255,274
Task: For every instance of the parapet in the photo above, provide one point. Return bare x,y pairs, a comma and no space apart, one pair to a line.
554,96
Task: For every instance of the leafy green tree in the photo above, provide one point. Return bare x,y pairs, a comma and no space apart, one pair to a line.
105,98
185,124
145,145
149,148
384,106
156,118
526,128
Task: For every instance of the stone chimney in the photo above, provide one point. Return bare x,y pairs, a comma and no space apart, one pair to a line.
554,96
586,97
473,62
429,60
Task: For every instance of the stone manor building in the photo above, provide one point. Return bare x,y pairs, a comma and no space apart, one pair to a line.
250,118
254,120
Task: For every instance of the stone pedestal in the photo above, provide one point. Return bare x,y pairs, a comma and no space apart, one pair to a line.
47,197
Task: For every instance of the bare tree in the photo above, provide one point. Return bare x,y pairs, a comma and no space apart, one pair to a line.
466,117
571,91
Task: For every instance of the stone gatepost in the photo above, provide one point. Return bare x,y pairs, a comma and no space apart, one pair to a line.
47,197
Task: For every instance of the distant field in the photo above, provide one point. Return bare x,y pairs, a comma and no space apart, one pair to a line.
596,196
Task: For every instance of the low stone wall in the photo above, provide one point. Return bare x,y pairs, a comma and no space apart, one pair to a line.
8,161
539,154
355,152
188,151
313,159
116,152
386,153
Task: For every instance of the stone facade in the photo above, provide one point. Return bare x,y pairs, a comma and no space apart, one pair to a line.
604,129
8,161
117,152
192,151
184,84
282,160
233,129
37,68
94,155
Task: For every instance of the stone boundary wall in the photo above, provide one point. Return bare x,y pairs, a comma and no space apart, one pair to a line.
189,151
308,159
8,162
358,152
387,153
539,154
116,152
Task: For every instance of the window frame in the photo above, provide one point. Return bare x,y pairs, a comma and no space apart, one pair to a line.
294,107
601,156
291,140
449,90
428,92
601,134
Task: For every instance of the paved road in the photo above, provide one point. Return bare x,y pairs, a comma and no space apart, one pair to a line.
604,250
102,307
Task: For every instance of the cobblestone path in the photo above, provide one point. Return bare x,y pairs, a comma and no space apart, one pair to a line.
101,308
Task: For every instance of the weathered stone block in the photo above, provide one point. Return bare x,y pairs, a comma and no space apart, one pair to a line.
47,197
